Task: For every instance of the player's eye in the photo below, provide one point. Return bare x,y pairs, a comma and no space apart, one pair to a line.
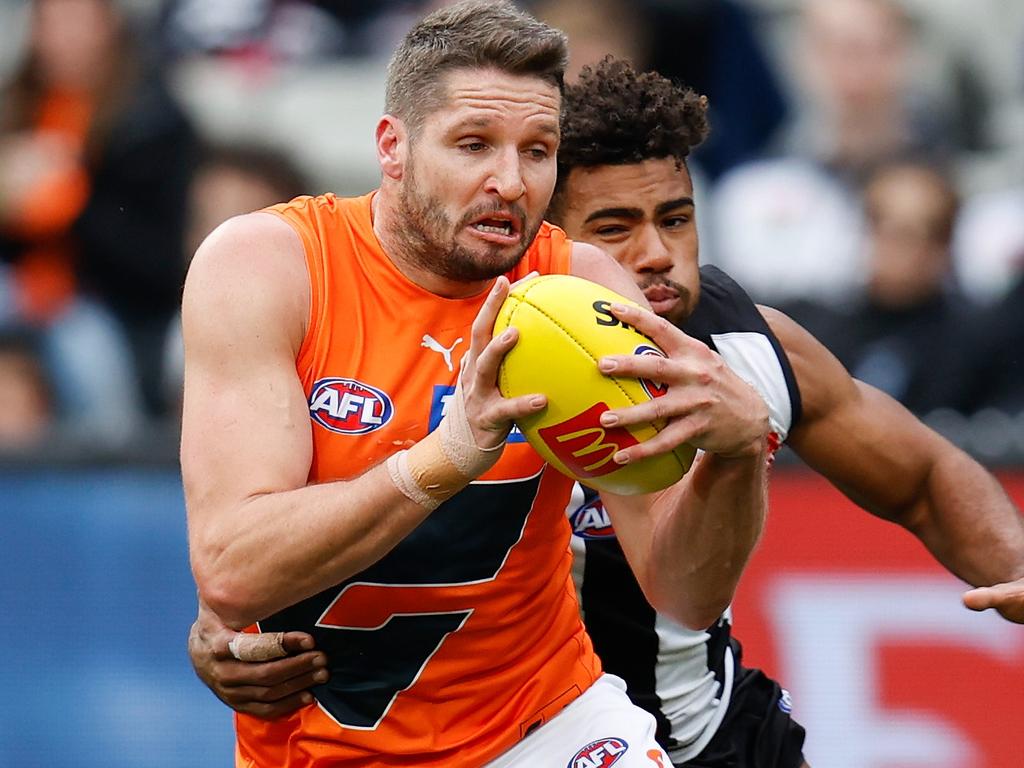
611,230
473,146
675,222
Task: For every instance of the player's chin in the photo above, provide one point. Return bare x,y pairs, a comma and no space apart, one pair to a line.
485,262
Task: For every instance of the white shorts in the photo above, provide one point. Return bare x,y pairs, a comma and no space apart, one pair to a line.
600,729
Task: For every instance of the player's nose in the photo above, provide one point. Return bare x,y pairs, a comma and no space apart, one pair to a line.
650,253
506,176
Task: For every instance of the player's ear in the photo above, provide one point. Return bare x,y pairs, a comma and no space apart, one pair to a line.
392,146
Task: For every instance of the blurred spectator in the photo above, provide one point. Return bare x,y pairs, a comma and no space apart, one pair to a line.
711,45
275,31
95,158
989,242
716,47
26,403
788,228
230,180
597,28
861,105
911,335
1000,379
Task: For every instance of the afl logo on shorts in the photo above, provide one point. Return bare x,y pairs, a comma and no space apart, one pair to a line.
599,754
652,388
591,521
349,407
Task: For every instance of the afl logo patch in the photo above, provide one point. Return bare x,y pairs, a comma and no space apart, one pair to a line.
599,754
591,521
652,388
349,407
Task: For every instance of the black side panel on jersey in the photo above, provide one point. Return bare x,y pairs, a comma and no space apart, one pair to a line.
620,623
725,307
618,617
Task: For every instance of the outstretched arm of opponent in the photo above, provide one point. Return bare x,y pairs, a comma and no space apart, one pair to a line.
260,538
688,544
877,453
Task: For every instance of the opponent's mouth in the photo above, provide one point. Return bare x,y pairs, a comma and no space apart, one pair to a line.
660,293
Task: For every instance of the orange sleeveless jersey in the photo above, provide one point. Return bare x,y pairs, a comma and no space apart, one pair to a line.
467,634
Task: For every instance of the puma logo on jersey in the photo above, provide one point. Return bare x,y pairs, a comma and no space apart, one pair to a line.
349,407
435,346
591,521
599,754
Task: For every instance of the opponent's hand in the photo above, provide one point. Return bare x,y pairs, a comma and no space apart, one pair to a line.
1006,598
267,689
707,405
491,415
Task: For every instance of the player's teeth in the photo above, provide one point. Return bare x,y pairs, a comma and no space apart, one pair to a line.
501,230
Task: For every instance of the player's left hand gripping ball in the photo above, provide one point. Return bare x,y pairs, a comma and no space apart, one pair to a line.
565,327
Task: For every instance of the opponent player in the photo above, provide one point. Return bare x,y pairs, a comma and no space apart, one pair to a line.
624,185
319,499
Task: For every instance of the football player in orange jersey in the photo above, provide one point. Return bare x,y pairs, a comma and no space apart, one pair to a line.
626,188
425,552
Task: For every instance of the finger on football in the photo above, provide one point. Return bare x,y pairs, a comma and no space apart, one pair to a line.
483,323
523,279
489,360
512,409
651,367
658,409
660,330
677,433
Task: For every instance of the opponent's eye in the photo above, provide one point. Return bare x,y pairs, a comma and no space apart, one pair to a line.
611,230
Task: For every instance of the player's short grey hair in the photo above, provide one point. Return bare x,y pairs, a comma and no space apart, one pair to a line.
470,34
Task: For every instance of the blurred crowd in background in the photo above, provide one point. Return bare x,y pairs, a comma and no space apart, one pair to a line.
865,174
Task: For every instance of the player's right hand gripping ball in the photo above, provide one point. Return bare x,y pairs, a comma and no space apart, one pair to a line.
565,327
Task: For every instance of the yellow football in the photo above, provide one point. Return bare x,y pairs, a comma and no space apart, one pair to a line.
565,326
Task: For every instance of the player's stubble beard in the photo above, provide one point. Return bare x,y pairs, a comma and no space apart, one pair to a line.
428,237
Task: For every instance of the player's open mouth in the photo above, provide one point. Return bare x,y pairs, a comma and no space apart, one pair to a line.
498,228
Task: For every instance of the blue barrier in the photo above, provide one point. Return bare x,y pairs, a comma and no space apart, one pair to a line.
96,599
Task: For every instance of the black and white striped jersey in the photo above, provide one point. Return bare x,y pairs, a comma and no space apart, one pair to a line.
683,677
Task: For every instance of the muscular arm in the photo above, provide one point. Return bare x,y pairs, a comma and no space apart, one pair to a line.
689,544
892,465
260,538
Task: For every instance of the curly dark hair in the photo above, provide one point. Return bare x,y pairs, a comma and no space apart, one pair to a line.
614,115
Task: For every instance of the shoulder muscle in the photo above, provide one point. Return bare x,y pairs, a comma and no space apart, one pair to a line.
591,263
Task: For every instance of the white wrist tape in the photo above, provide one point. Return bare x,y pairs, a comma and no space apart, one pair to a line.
402,477
458,443
445,461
